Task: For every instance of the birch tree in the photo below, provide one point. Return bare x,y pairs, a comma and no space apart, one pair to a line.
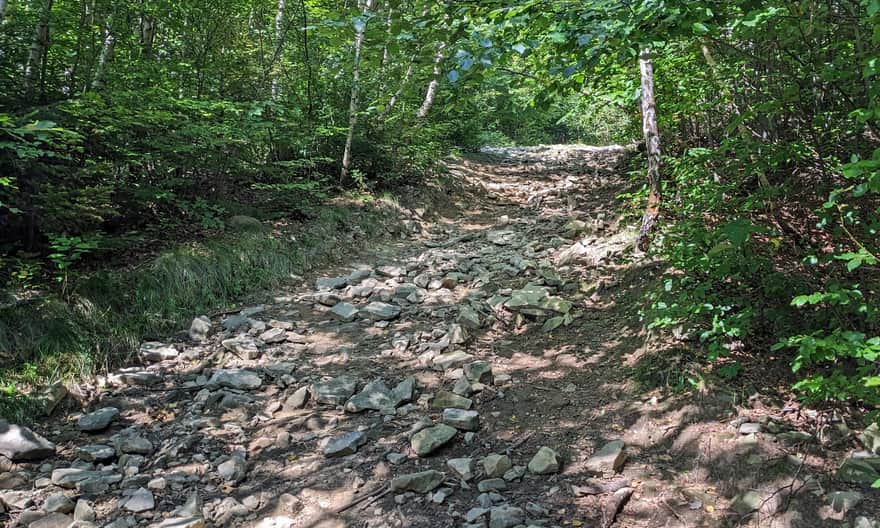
37,52
360,26
652,148
105,57
431,92
279,44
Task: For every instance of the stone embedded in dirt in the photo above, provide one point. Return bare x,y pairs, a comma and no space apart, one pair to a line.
140,501
573,228
334,391
870,438
153,352
429,440
446,399
379,311
331,283
71,477
97,420
479,371
503,237
199,328
514,473
96,453
242,346
458,335
422,482
451,359
492,484
233,470
795,437
297,400
439,497
18,443
834,434
84,512
395,458
358,275
609,459
404,392
327,298
475,513
236,379
506,516
53,520
865,522
133,445
345,312
463,387
463,467
16,500
746,502
857,471
468,318
545,462
750,428
391,271
374,396
462,419
234,322
496,465
58,503
344,445
273,336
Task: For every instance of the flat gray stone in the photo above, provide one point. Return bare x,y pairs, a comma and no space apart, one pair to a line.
273,336
58,503
746,502
450,400
431,439
857,471
462,419
609,459
297,400
335,391
463,467
242,346
345,445
379,311
234,322
233,470
53,520
133,445
545,462
496,465
492,484
422,482
236,379
97,420
331,283
506,516
154,351
18,443
374,396
451,359
96,453
344,312
140,501
479,371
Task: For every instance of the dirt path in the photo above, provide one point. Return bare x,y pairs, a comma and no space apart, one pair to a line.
418,385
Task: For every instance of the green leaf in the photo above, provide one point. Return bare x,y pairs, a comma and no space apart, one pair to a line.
700,29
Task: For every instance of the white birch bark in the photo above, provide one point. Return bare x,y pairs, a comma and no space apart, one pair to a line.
104,58
431,92
37,51
360,34
279,37
652,148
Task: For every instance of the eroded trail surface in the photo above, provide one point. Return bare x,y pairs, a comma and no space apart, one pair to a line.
475,374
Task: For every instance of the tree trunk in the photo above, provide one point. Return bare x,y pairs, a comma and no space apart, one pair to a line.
39,47
309,82
652,148
431,93
104,59
3,4
360,33
148,34
403,82
279,43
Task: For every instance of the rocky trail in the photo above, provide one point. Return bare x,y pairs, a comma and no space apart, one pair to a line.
477,373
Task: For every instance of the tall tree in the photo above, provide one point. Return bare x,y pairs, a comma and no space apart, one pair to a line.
105,57
37,53
360,25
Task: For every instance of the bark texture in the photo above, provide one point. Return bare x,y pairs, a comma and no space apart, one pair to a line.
39,47
360,33
652,149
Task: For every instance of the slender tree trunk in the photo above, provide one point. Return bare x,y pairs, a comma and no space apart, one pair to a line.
105,57
3,4
148,34
279,43
39,47
309,82
403,82
431,92
360,33
652,148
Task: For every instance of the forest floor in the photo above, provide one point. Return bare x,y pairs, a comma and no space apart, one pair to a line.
502,307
